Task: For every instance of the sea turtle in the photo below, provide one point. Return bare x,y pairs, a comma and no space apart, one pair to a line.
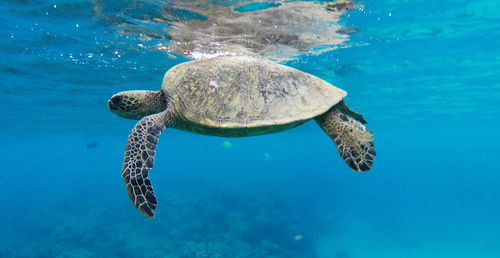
233,96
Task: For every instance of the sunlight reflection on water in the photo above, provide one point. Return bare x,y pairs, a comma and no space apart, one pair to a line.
201,29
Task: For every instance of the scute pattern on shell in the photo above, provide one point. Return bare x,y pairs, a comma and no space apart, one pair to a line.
237,91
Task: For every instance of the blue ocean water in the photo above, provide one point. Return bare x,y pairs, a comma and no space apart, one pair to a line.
423,73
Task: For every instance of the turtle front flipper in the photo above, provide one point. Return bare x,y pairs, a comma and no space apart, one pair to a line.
139,160
354,142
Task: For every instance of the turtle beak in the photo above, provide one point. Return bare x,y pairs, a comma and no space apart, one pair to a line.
114,102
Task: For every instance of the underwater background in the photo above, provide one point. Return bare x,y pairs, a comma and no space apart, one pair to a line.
425,74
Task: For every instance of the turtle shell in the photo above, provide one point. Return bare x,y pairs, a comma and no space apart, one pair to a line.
240,91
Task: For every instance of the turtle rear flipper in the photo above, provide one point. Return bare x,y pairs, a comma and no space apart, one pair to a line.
139,160
342,107
354,142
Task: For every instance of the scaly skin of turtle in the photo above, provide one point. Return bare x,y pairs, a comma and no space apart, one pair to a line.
139,160
354,142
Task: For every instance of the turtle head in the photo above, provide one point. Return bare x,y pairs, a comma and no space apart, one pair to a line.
136,104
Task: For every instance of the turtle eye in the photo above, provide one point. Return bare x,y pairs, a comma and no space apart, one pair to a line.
116,100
